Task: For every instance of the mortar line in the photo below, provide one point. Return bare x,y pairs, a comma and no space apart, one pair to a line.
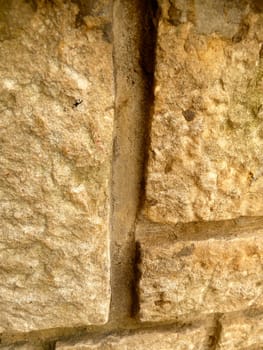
133,55
217,331
177,325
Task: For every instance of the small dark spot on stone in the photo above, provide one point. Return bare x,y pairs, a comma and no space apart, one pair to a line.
211,340
230,124
173,236
85,9
152,202
162,303
186,251
77,103
116,149
162,300
189,115
33,4
174,15
107,32
203,264
261,52
241,34
168,168
236,38
250,177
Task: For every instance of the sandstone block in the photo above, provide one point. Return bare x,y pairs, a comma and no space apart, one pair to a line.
189,278
205,158
56,102
242,332
25,346
194,338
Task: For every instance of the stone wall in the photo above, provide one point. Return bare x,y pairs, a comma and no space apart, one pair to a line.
131,174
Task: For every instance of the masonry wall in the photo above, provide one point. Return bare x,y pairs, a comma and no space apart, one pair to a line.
131,187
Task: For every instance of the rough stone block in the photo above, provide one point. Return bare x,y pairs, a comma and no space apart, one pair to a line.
203,276
24,346
189,339
242,331
205,158
56,102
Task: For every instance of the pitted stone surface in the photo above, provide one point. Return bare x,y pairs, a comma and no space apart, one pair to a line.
189,339
56,102
195,277
242,331
205,158
25,346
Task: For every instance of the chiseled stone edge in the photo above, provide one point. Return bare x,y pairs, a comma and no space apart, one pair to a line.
200,330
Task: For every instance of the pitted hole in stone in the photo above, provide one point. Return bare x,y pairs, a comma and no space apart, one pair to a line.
189,115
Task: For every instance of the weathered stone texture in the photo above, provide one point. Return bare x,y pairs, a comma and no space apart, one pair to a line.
205,160
199,277
25,346
241,332
190,339
56,102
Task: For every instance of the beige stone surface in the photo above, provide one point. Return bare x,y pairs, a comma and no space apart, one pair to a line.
189,339
198,277
56,103
242,332
25,346
205,158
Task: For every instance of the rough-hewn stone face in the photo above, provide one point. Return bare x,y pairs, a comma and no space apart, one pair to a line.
56,102
214,275
190,339
242,332
22,347
205,160
186,256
